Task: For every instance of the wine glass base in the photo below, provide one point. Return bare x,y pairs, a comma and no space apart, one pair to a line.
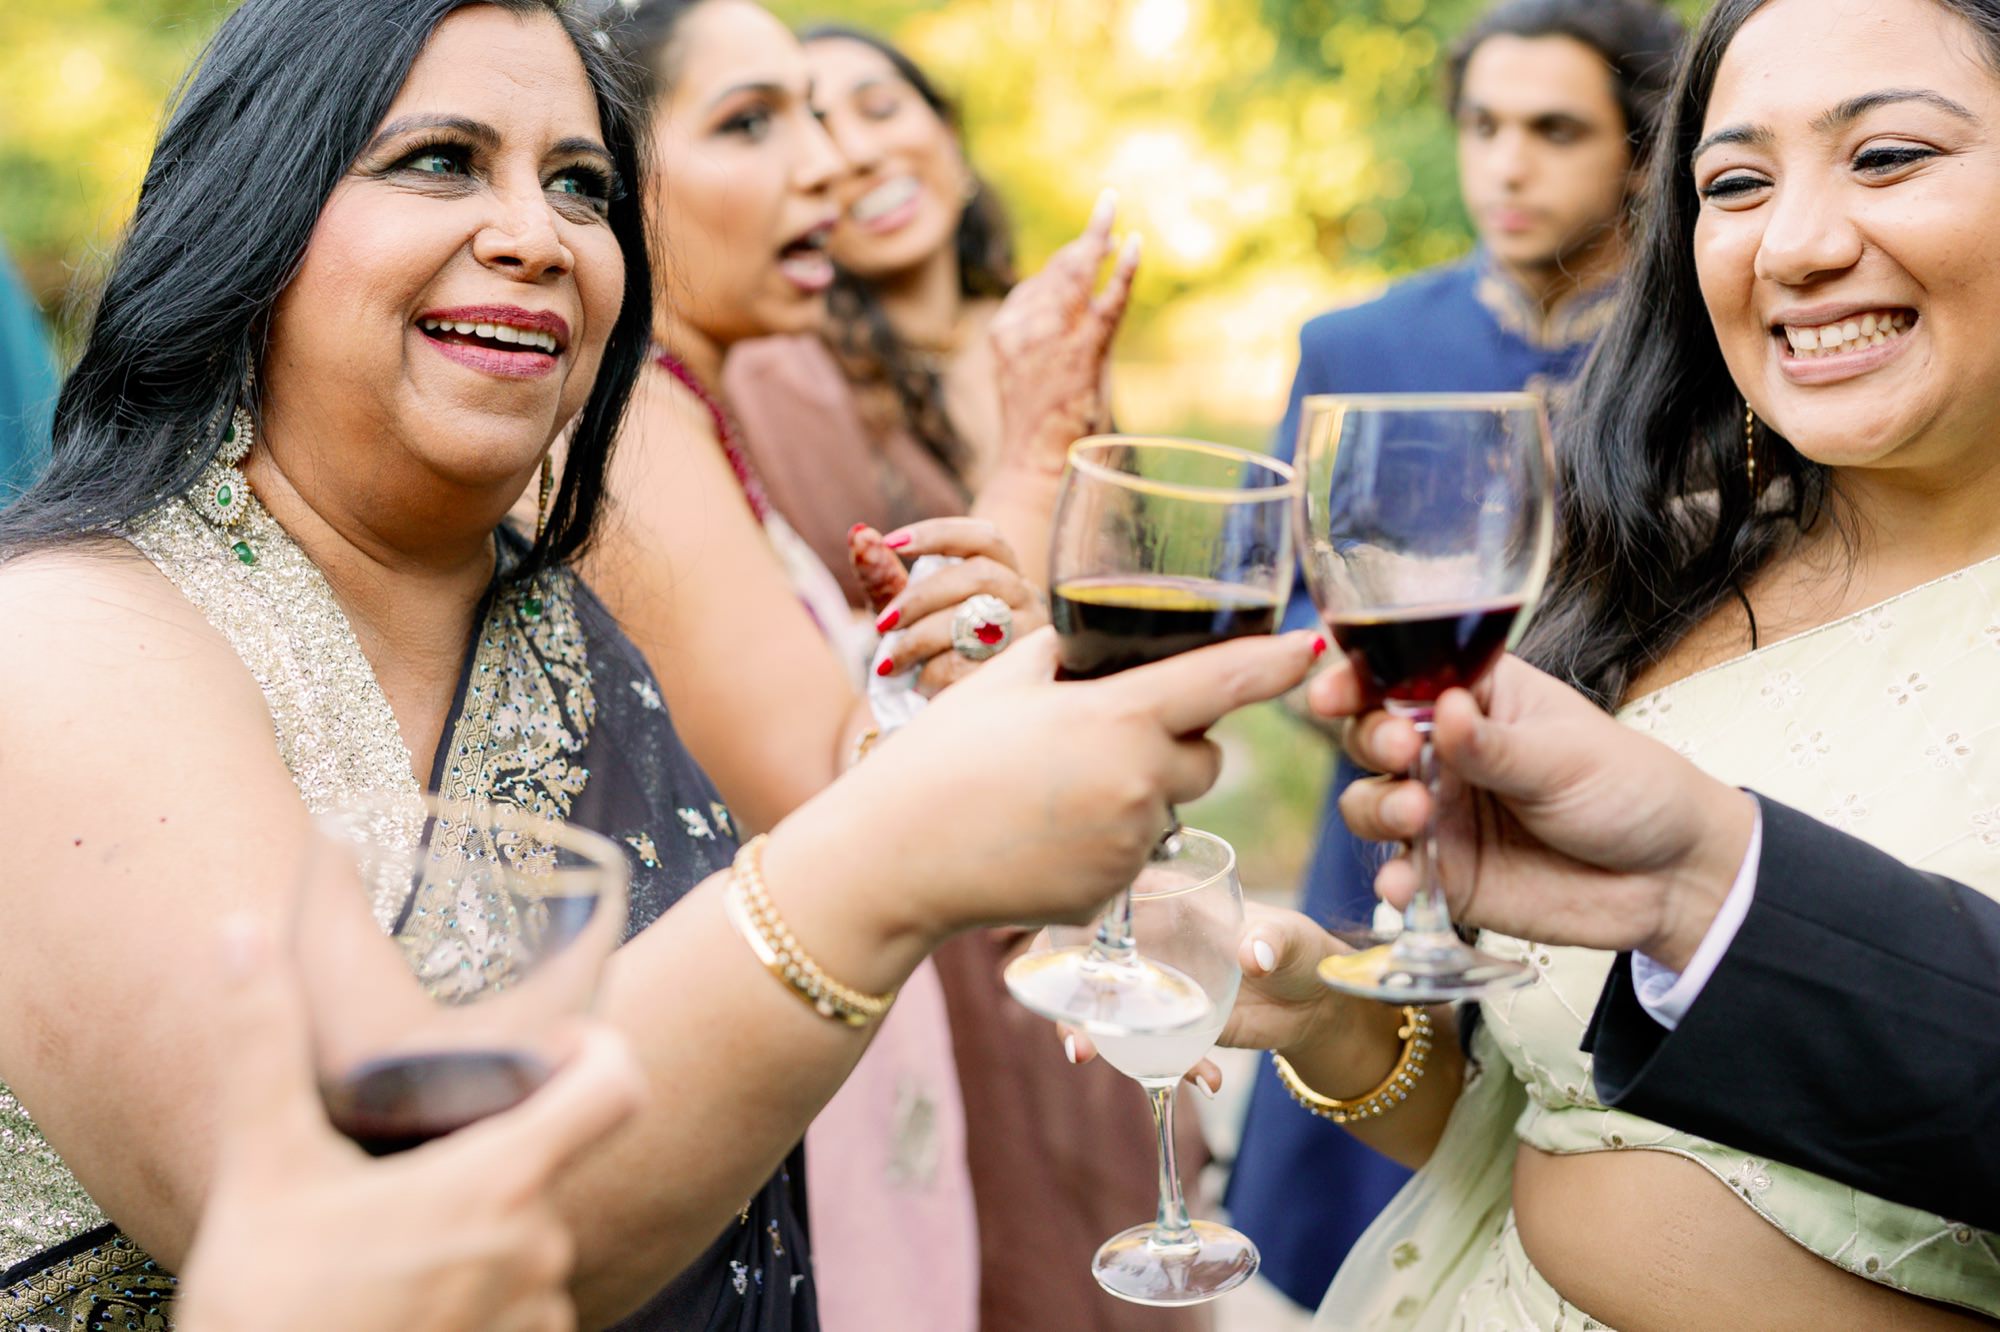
1134,1268
1463,973
1120,997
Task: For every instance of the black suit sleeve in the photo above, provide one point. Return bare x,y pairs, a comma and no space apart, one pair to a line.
1852,1028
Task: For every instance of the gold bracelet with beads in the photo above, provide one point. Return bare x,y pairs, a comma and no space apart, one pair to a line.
749,907
1415,1033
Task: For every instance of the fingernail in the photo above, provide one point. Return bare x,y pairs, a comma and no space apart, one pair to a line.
1319,646
1134,244
888,620
888,667
1069,1048
897,540
1207,1091
1107,204
1267,959
855,530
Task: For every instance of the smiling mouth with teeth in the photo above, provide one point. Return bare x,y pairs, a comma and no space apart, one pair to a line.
498,337
1848,335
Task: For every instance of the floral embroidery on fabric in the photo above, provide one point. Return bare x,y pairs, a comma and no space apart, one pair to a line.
642,846
648,695
722,819
529,704
1847,813
1907,688
1780,690
695,823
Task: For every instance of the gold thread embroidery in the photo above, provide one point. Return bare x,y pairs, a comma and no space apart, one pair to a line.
112,1285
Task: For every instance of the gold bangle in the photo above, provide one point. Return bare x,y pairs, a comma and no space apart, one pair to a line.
748,905
1415,1033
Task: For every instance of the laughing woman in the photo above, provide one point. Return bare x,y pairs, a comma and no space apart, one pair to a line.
709,579
1779,555
900,384
384,253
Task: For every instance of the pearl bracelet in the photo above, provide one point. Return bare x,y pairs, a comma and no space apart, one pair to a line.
1415,1033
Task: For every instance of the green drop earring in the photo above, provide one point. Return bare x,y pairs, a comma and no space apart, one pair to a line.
223,494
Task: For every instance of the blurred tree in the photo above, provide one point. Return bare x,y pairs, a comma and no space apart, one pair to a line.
1277,155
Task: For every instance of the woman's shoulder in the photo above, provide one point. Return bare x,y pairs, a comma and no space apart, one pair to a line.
94,630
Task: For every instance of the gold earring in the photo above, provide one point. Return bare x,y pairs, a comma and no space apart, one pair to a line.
1750,445
542,498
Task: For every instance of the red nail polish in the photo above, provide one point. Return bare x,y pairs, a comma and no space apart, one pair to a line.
1319,646
898,541
858,527
887,667
888,620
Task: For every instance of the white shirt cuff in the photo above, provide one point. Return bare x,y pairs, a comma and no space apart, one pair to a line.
1668,995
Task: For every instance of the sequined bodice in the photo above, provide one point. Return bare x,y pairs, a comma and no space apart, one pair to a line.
1885,724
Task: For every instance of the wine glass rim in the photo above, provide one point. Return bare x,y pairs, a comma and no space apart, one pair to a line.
1227,869
1501,401
593,846
1251,493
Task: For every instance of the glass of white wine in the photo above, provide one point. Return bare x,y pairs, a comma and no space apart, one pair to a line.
1187,912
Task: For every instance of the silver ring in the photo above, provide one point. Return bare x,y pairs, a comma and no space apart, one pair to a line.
981,627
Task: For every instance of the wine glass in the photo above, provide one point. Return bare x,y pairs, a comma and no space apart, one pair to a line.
1426,522
1187,911
1160,546
444,950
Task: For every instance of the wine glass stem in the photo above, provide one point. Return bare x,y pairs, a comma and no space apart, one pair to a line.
1171,1228
1427,920
1114,943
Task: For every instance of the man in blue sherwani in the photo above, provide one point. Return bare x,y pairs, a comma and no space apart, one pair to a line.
1555,104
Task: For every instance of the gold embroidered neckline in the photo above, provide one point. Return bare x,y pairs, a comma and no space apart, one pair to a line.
335,730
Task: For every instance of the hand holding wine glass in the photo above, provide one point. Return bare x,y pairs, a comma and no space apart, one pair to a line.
1186,912
1160,546
445,949
299,1227
1554,821
1426,525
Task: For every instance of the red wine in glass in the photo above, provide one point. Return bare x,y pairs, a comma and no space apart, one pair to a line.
1159,547
1413,656
1113,624
391,1105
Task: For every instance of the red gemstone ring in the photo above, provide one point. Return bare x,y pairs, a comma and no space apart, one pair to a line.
981,627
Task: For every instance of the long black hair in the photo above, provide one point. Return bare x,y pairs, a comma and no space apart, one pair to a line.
275,110
870,350
1658,523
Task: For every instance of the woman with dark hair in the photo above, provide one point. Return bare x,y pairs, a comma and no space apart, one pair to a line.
893,413
698,570
1779,557
384,253
900,380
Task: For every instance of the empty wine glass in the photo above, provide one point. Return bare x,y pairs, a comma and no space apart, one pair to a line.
1187,912
1160,546
1426,522
444,949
